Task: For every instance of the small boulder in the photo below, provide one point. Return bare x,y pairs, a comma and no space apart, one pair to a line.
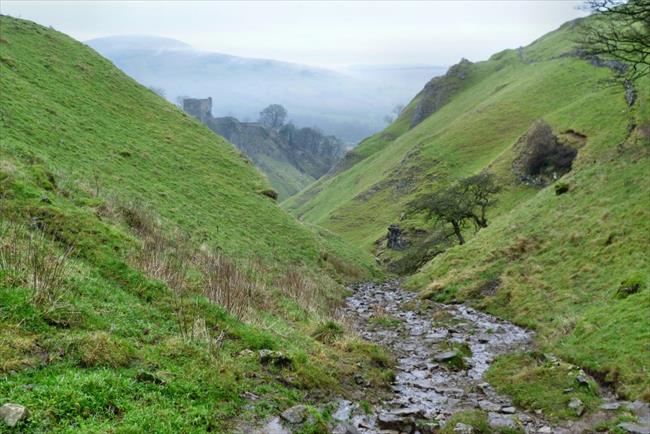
486,405
148,377
582,379
545,430
295,415
610,406
462,428
345,428
274,426
270,193
246,353
634,428
389,421
508,410
498,421
11,414
577,406
446,356
629,287
275,358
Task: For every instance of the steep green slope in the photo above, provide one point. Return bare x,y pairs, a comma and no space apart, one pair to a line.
92,131
552,263
141,270
498,102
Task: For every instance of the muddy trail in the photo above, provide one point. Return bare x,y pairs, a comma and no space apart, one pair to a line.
442,354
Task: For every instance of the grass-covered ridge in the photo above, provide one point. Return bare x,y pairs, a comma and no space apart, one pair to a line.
141,270
574,266
75,113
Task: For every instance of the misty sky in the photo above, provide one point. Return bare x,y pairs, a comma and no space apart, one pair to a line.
327,33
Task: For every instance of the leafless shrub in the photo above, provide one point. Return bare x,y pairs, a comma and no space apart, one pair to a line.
226,284
30,258
311,295
12,252
48,271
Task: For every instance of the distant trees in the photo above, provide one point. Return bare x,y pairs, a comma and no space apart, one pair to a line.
158,90
621,31
466,200
273,116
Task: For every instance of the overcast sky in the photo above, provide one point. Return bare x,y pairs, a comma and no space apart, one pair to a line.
327,33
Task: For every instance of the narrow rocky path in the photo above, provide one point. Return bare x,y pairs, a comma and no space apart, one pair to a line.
426,341
443,352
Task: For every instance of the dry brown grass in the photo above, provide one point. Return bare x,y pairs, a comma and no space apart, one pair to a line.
31,259
227,284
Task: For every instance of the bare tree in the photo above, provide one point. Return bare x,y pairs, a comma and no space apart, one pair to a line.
480,190
180,99
158,90
467,200
273,116
620,30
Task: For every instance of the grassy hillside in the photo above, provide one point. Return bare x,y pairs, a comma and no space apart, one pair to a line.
552,263
141,270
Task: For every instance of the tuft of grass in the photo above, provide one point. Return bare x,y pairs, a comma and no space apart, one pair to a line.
101,349
386,321
477,419
328,331
537,383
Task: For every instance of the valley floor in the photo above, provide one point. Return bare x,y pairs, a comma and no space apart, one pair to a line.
445,353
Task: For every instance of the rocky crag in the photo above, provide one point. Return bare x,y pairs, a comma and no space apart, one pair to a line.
290,157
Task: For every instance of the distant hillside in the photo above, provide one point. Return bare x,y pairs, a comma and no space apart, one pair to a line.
551,262
291,157
350,104
142,267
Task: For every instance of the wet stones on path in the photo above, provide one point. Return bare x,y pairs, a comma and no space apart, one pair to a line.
428,339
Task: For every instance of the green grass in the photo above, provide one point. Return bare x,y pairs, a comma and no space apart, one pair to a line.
477,419
87,159
113,135
559,260
481,123
543,385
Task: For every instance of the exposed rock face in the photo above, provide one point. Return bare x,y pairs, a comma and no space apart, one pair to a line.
541,157
306,151
394,239
439,91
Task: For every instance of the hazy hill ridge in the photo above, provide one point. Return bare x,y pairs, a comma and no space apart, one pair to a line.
349,103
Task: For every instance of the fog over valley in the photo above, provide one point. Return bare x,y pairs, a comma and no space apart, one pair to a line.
349,102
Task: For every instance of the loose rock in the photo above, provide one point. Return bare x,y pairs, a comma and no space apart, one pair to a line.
634,428
295,415
275,358
577,406
462,428
498,421
446,356
11,414
488,406
610,406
